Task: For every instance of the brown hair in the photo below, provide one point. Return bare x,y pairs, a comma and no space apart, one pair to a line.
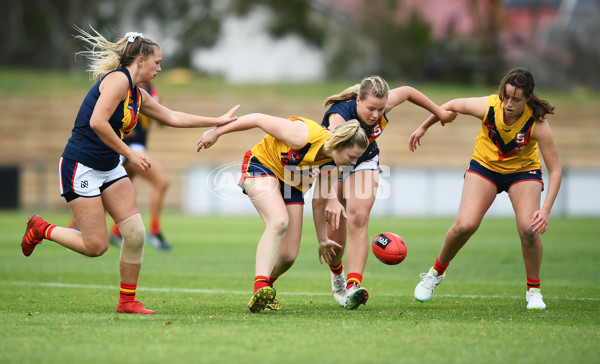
523,79
373,85
106,56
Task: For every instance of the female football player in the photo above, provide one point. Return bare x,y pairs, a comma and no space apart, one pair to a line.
92,178
348,213
505,158
276,172
137,140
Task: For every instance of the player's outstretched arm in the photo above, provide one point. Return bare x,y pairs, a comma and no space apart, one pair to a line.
291,132
474,106
406,93
322,193
177,119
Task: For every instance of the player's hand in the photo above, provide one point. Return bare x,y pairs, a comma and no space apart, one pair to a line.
448,117
140,159
334,211
539,222
228,117
415,139
327,250
208,138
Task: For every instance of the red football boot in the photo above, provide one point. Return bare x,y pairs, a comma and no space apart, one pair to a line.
132,307
34,234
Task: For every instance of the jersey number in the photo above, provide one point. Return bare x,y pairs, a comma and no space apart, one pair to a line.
520,138
377,130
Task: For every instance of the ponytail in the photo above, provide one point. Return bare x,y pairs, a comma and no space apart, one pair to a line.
373,85
347,135
106,56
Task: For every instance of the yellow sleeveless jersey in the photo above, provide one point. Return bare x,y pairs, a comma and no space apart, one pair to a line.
506,149
296,167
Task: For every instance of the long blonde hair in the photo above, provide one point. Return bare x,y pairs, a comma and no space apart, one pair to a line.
106,56
347,135
372,85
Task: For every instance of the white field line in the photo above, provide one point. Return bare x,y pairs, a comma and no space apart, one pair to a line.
217,291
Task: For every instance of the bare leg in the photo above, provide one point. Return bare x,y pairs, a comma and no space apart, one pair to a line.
267,200
290,245
119,201
338,235
478,194
525,197
360,191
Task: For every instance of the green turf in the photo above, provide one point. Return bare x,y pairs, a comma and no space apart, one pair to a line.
58,307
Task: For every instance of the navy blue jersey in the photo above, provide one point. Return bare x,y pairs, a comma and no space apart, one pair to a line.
84,145
347,110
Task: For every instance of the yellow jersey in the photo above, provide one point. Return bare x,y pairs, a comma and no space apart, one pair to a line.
296,167
506,149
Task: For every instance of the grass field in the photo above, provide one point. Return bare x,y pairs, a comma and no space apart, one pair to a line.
59,307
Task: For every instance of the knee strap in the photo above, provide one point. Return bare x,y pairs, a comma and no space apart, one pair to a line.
133,231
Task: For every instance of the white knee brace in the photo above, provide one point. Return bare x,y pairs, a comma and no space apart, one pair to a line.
133,231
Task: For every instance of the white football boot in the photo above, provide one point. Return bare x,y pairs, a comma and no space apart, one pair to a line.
356,296
338,286
429,280
534,299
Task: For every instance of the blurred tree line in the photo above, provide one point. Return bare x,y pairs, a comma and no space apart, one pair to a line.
38,33
364,39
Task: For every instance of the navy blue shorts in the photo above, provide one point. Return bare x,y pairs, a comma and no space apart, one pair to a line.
504,181
252,168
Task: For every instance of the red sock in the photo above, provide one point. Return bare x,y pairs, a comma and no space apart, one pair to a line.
115,230
154,225
48,230
272,281
354,279
337,269
533,283
260,282
127,292
440,267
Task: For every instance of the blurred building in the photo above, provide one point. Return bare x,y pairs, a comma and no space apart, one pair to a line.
245,52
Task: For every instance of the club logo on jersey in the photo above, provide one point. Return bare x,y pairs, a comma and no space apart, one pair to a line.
293,157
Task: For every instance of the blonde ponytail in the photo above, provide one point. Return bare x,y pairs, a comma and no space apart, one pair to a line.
105,56
372,85
347,135
348,94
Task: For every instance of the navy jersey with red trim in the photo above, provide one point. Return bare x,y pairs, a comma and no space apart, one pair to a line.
347,110
84,145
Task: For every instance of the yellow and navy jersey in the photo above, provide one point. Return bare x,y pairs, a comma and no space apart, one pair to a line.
296,166
140,133
506,149
347,110
84,145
